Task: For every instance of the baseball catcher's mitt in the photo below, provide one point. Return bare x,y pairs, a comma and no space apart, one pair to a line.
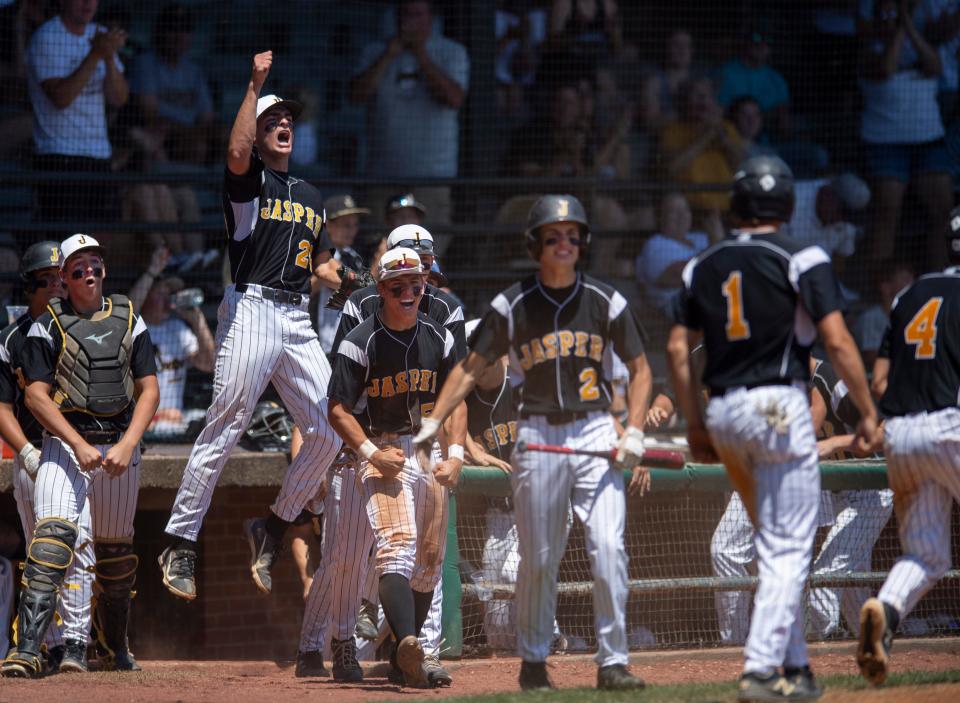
350,281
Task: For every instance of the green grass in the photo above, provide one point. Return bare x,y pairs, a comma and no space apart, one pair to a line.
695,693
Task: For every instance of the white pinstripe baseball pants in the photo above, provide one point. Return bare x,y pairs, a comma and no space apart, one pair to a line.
767,433
543,487
77,589
923,463
259,341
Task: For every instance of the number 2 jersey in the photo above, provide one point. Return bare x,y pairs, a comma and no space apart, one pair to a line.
923,345
757,298
556,340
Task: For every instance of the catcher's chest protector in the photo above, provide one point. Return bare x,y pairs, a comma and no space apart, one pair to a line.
93,372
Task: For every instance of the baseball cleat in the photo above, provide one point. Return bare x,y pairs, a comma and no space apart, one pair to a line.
804,683
345,664
437,676
263,553
74,658
53,657
616,677
764,688
178,566
533,676
20,666
410,662
367,621
310,665
876,638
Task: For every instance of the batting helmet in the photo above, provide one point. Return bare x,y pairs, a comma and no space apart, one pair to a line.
763,190
555,208
39,256
953,235
270,428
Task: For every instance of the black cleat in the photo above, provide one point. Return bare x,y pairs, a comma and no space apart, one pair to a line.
437,676
74,657
765,688
310,665
19,665
533,676
345,664
263,552
804,684
877,622
617,677
179,565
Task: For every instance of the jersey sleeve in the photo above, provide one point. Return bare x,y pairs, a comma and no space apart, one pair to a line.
39,355
457,327
244,188
348,376
144,358
812,277
491,339
350,317
449,359
683,308
625,331
8,384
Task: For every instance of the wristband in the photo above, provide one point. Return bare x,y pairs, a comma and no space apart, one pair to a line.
455,451
368,449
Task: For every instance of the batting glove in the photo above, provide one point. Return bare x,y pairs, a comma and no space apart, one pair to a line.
630,448
30,456
429,429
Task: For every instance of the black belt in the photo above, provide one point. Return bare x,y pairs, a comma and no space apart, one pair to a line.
559,418
720,392
277,295
102,437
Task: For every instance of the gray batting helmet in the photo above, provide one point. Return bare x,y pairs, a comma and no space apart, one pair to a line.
555,208
763,190
39,256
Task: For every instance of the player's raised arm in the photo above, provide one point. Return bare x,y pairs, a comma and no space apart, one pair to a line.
244,130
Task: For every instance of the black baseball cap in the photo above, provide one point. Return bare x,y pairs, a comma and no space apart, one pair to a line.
340,205
398,202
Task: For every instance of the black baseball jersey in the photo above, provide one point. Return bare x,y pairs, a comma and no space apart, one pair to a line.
389,378
435,304
923,345
842,414
12,381
274,225
492,418
43,347
757,299
556,340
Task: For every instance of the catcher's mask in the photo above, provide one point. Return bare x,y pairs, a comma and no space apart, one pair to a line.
270,428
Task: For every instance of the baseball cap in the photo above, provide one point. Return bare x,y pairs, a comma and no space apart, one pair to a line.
339,205
76,243
401,261
398,202
853,192
270,101
411,236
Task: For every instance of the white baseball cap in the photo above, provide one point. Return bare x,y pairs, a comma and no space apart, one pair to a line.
411,236
270,101
78,242
401,261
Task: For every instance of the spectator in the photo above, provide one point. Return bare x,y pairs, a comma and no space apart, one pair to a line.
751,75
664,255
520,30
171,90
9,263
402,209
823,214
901,124
701,147
583,33
414,86
746,116
73,73
661,88
869,327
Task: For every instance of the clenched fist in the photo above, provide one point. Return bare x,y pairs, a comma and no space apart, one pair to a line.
261,68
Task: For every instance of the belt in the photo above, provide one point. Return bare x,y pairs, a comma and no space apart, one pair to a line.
559,418
102,437
275,294
720,392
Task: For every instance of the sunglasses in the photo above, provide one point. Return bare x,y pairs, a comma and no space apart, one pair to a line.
552,241
77,274
401,264
397,291
416,244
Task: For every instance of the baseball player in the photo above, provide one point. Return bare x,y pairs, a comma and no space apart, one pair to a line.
274,224
386,375
758,299
918,368
91,382
40,273
555,326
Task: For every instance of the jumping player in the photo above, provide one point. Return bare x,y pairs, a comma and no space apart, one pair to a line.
40,274
758,300
555,326
91,382
275,232
919,363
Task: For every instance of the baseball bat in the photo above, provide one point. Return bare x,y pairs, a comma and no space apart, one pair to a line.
661,458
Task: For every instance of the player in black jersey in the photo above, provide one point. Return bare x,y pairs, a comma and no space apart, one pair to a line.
386,376
918,367
758,300
276,238
555,327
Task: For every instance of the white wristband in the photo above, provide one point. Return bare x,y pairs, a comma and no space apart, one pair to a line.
368,449
455,451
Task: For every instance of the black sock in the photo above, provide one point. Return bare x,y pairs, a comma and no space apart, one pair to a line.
184,543
893,616
421,607
397,600
276,527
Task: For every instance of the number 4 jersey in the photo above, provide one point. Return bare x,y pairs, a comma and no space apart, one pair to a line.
757,298
923,345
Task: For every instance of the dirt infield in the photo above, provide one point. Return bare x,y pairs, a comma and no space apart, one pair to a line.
234,682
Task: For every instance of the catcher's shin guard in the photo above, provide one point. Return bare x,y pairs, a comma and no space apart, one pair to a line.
48,557
116,572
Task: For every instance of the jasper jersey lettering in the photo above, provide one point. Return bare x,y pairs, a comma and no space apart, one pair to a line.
12,381
492,418
275,225
757,298
556,340
923,345
389,378
435,304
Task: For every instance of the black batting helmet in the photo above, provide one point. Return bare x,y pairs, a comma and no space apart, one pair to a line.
270,428
555,208
763,191
953,235
39,256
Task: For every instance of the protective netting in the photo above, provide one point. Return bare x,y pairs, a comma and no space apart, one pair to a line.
685,547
